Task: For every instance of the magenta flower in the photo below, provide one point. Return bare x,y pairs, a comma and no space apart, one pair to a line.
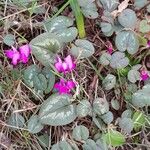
64,66
64,87
24,53
144,75
148,43
13,54
18,56
109,50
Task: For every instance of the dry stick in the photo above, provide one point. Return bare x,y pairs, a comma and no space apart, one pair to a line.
21,11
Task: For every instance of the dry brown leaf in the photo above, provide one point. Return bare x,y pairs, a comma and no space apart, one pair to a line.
121,7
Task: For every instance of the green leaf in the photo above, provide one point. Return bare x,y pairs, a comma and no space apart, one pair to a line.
44,140
127,40
84,108
108,117
67,35
139,120
88,8
45,46
50,79
133,76
57,110
114,138
9,40
139,4
109,5
126,114
40,82
58,23
144,26
141,98
109,82
127,18
126,124
142,41
63,145
16,121
34,126
100,106
119,60
90,145
105,59
80,133
115,104
82,48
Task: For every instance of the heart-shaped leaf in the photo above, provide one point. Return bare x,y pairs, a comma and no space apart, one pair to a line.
127,18
90,145
44,140
127,40
63,145
134,75
105,59
58,23
109,5
119,60
82,48
45,46
57,110
126,124
139,4
34,126
89,9
16,121
67,35
144,26
109,82
115,104
114,138
84,108
9,40
141,98
80,133
100,106
108,117
126,114
50,79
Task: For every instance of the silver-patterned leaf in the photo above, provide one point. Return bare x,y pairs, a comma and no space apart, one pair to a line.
133,76
139,4
80,133
115,104
127,18
109,82
100,106
109,5
82,48
34,125
119,60
58,23
126,124
84,108
105,59
57,110
45,46
108,117
9,39
127,40
90,145
62,145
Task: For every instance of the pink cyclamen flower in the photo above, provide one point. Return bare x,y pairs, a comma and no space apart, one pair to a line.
109,50
67,65
13,54
24,53
64,87
144,75
18,56
148,43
